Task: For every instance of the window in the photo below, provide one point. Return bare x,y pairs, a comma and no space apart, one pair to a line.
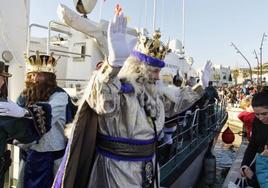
80,50
83,51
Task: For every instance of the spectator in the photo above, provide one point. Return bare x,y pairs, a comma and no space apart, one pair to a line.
177,80
259,137
211,93
247,116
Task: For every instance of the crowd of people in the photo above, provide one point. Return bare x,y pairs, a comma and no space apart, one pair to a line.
235,94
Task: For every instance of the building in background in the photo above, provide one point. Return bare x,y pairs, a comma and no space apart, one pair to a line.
221,75
241,75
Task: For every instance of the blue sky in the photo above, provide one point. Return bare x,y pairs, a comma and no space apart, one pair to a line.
210,25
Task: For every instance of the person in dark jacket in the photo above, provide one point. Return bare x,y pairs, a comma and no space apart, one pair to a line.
259,137
211,93
177,80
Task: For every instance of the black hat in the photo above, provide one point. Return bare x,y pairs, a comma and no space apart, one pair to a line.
3,71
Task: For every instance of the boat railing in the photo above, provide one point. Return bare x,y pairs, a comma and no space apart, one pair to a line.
192,129
59,28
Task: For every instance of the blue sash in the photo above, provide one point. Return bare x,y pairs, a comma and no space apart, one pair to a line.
125,149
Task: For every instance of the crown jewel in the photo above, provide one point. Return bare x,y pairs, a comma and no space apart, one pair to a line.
41,63
152,47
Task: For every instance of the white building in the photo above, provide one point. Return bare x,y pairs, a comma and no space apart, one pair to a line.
176,61
221,75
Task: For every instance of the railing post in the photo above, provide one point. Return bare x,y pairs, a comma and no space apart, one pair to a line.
206,114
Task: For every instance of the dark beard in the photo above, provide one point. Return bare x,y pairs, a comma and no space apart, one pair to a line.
36,92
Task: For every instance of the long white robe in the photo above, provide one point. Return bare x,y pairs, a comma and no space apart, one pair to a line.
120,115
123,115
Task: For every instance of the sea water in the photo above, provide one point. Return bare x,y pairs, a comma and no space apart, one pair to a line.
225,155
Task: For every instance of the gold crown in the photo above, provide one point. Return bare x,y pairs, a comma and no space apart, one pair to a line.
152,46
41,63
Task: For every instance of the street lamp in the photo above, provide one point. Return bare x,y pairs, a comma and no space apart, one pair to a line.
262,40
258,66
239,52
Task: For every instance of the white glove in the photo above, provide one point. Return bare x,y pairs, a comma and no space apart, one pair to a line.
117,44
206,74
11,109
132,44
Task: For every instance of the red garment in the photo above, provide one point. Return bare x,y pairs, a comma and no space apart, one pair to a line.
247,119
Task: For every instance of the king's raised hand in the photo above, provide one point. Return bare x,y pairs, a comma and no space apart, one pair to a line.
206,74
116,37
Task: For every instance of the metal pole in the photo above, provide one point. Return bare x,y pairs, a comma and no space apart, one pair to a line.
162,14
258,64
154,16
50,27
29,37
238,51
100,12
145,13
264,35
183,24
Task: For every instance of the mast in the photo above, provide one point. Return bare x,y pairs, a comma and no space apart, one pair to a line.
154,15
183,24
145,13
100,11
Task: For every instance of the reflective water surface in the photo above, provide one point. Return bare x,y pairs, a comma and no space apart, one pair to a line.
225,155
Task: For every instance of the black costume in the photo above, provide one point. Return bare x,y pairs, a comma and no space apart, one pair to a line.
25,130
259,139
212,94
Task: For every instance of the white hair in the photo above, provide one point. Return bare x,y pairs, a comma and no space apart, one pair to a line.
137,74
134,72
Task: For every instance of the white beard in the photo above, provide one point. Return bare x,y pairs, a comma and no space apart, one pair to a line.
136,73
170,91
152,90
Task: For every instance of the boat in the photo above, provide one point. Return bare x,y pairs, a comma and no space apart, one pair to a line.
192,139
195,135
